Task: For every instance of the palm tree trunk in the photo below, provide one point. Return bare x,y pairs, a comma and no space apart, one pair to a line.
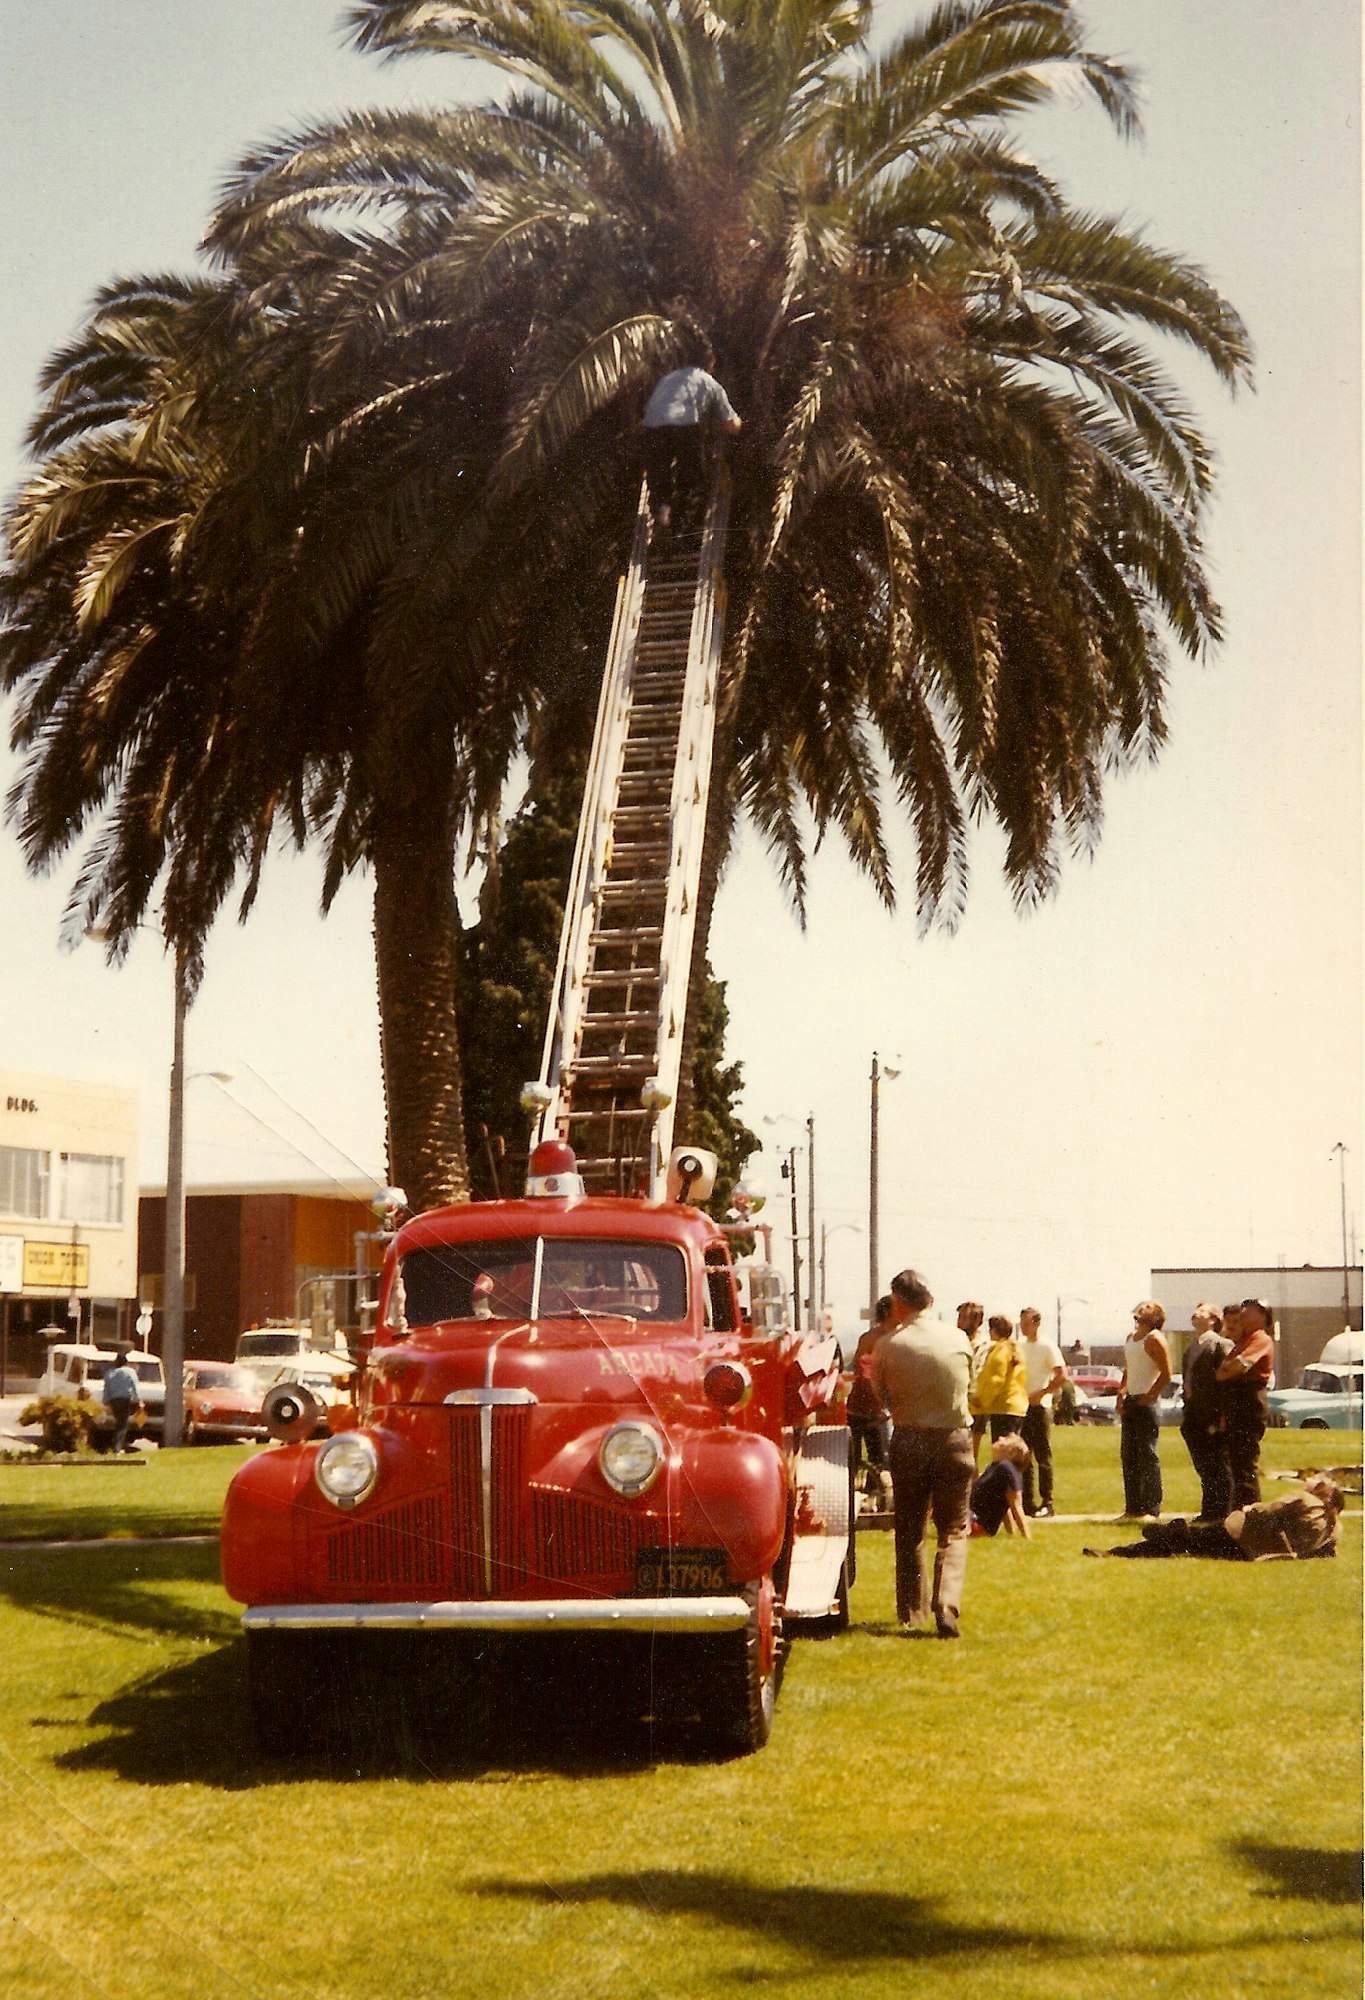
414,948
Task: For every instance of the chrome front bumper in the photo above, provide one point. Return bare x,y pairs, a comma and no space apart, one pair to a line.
562,1614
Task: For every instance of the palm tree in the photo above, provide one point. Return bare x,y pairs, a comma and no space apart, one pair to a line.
152,559
969,497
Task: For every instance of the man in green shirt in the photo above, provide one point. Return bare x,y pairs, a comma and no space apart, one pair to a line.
920,1371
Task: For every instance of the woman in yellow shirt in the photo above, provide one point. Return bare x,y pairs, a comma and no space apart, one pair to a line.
1000,1391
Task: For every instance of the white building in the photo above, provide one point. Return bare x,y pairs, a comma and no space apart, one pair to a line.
1307,1302
68,1209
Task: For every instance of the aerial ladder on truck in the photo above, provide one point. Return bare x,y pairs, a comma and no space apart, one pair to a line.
612,1059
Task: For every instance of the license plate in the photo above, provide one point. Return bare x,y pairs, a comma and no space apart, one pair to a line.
679,1572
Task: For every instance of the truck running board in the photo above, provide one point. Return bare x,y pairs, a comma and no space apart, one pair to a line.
820,1548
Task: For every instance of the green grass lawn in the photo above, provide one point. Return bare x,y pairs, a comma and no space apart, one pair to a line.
1125,1779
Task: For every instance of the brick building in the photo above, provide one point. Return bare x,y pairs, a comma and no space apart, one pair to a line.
248,1252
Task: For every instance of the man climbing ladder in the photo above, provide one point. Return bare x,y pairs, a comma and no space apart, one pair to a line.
676,416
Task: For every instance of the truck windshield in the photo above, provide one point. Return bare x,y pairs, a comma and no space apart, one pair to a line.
250,1345
541,1278
1323,1380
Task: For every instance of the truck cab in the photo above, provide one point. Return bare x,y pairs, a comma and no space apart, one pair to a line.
567,1425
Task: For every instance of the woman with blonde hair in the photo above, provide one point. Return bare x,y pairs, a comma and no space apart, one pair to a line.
1146,1371
1000,1391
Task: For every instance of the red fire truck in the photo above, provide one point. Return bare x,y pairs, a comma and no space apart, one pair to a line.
579,1424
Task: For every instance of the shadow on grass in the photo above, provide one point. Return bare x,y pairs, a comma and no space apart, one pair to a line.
118,1588
843,1926
417,1710
1307,1874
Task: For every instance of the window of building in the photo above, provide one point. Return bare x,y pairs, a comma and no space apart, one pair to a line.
91,1188
23,1181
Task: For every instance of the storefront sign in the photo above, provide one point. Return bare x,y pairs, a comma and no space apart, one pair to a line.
65,1264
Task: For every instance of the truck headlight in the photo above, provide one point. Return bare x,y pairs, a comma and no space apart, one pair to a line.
346,1468
630,1457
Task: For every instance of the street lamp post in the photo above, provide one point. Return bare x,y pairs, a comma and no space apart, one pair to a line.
1071,1299
874,1187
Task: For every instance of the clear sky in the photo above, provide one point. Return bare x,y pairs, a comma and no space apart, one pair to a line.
1152,1070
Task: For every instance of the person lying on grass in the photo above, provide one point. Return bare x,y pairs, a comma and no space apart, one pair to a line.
1295,1528
998,1495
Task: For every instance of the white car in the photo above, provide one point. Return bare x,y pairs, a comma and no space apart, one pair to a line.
73,1366
286,1353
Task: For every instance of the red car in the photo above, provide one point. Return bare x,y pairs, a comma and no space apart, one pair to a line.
1097,1381
222,1403
569,1430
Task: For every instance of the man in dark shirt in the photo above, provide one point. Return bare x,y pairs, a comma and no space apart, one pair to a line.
1244,1378
1201,1425
997,1496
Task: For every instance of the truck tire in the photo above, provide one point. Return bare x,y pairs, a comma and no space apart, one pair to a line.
746,1672
1313,1424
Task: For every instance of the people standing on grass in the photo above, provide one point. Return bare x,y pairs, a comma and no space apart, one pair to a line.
921,1370
1244,1378
120,1396
868,1427
971,1320
999,1392
1146,1371
1044,1375
1201,1424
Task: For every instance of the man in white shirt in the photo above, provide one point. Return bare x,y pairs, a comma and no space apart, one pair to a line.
920,1371
1044,1374
680,407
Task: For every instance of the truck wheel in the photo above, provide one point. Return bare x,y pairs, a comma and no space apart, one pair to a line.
746,1674
1313,1424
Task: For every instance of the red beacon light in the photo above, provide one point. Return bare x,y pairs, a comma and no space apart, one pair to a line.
728,1384
552,1172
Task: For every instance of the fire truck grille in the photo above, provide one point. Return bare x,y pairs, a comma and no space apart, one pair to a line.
466,1491
577,1538
405,1546
509,1499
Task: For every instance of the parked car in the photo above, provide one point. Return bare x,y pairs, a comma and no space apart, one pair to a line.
1093,1409
1328,1398
1098,1381
222,1403
284,1351
76,1365
1170,1404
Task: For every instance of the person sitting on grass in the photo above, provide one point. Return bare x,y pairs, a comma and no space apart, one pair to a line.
998,1495
1296,1528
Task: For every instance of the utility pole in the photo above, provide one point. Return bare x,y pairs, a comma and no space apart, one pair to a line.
874,1187
811,1313
1340,1150
790,1171
173,1277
